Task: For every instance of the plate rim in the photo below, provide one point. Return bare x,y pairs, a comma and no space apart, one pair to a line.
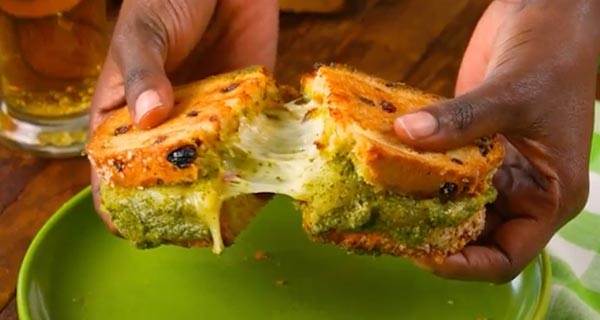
540,312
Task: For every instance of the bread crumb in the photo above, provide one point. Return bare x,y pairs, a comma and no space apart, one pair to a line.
280,283
260,255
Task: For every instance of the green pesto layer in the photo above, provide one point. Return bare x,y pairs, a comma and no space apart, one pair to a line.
342,201
152,216
337,200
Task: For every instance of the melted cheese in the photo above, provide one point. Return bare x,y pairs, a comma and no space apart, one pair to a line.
275,153
208,203
279,152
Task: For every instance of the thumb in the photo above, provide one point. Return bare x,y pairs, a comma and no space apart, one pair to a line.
488,109
148,91
150,35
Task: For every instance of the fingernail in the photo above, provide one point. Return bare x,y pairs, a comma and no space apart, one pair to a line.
418,125
146,102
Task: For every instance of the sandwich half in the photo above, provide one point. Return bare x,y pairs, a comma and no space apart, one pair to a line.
200,177
163,186
389,198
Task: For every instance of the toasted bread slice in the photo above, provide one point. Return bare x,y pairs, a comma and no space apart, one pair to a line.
365,107
205,113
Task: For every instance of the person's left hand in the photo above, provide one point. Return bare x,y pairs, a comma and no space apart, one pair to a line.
160,43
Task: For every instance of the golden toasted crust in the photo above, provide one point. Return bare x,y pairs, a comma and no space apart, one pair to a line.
365,107
205,113
441,243
238,212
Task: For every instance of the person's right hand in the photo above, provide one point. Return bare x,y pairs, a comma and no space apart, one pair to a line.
158,43
528,74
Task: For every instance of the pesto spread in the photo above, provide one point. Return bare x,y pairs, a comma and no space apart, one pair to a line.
345,202
152,216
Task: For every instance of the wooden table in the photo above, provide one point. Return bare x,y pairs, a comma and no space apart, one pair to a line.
415,41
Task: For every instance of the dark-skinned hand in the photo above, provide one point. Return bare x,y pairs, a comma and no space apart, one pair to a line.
529,75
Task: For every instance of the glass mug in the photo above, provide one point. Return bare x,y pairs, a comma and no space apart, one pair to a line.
51,52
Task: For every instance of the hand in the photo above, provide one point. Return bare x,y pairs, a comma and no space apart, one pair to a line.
159,43
528,74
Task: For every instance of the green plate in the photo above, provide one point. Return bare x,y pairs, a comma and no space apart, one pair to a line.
75,269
